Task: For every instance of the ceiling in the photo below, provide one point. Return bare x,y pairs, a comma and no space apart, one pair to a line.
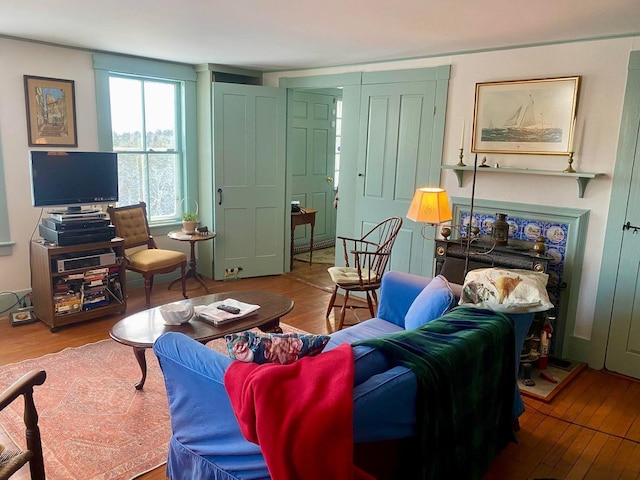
273,35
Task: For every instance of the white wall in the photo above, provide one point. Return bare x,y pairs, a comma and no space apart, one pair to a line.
20,58
17,59
603,68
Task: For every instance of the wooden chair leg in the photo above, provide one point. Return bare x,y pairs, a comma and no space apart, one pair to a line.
34,442
332,302
343,310
148,285
184,280
370,305
375,299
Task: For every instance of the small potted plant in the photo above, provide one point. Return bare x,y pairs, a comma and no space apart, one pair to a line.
189,218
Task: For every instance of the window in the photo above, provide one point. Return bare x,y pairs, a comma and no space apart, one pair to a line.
149,164
146,113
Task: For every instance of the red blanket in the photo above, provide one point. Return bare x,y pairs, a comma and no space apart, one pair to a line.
300,414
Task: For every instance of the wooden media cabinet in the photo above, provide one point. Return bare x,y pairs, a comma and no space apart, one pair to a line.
83,290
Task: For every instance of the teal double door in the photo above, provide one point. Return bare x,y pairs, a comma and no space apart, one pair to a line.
395,125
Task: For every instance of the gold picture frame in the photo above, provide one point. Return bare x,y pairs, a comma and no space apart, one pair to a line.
51,112
525,116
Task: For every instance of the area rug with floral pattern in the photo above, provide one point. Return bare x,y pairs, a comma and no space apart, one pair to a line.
95,425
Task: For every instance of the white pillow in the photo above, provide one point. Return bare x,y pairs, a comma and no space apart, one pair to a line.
506,290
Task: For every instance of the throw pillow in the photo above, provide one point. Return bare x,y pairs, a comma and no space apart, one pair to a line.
432,302
283,348
506,290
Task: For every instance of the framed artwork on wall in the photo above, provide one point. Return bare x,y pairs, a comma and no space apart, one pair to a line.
525,116
51,112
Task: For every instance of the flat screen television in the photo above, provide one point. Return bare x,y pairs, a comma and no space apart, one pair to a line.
70,180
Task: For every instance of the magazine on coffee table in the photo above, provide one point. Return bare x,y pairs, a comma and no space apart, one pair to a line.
213,314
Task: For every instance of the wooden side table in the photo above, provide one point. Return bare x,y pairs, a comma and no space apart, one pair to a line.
303,217
192,239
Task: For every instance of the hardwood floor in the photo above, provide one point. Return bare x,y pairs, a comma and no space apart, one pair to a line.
591,430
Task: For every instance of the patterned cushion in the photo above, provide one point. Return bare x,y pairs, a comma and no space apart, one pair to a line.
506,290
283,348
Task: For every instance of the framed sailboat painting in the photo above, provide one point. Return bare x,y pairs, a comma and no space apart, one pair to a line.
526,116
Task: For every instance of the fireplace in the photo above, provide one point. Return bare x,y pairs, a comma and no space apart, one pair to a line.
564,231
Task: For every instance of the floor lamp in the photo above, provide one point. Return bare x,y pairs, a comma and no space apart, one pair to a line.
430,205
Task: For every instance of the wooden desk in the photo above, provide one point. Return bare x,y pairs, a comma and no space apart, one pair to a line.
303,217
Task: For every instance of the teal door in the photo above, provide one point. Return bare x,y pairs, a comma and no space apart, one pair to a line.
311,160
400,149
623,348
249,129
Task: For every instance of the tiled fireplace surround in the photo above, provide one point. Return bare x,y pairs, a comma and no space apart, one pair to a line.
564,230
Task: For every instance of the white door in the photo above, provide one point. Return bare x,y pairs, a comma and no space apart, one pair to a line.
249,129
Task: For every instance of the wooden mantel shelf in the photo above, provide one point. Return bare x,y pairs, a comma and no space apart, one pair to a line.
581,177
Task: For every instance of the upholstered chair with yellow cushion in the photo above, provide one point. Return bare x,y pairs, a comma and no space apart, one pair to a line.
147,259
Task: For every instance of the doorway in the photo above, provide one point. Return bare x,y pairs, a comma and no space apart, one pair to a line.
314,148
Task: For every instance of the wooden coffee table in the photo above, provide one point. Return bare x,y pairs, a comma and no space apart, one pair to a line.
141,329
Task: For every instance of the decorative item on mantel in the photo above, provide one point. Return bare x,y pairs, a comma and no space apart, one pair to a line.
500,230
539,247
461,163
569,168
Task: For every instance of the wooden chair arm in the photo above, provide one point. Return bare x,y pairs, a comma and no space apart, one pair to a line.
367,252
357,245
23,386
357,241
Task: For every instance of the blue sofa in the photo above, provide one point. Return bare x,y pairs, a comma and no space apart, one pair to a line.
206,441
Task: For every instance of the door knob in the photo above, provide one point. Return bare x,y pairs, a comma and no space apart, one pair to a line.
329,179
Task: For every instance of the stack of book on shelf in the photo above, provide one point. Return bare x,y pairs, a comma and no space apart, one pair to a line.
94,288
87,290
65,299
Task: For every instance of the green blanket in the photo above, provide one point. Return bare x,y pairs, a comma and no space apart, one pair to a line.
464,363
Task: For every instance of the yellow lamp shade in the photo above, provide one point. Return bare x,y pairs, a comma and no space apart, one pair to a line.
430,205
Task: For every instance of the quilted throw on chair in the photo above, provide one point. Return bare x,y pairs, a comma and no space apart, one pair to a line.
464,362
